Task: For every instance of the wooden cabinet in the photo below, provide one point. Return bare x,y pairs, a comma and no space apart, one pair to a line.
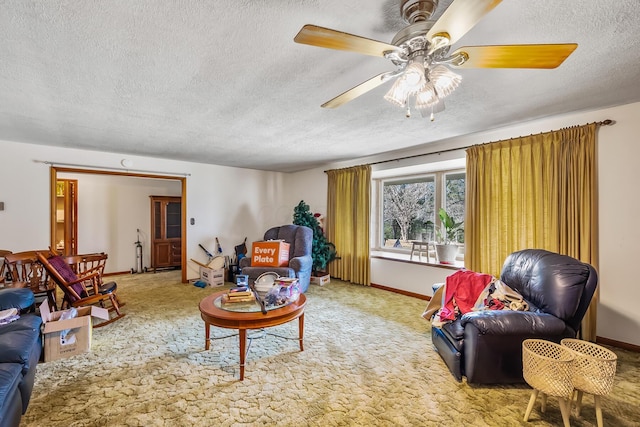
65,231
166,232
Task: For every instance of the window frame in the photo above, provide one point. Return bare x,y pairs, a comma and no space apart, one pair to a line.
439,177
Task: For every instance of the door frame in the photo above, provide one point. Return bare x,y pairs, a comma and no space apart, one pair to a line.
183,180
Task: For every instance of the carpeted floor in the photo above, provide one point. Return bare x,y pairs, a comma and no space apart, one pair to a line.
368,361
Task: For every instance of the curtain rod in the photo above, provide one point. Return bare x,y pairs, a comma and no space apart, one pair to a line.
124,170
607,122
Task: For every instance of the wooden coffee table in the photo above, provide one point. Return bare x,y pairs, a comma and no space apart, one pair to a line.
216,316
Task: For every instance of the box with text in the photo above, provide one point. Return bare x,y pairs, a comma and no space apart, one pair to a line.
320,280
68,337
271,253
212,277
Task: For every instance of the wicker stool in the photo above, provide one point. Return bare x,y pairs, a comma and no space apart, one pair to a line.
546,367
594,368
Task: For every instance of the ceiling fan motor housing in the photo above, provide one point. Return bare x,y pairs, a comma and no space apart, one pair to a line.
413,11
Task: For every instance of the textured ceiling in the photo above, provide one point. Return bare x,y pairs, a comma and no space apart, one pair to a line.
223,82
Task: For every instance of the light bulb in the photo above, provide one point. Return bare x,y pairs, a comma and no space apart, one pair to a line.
444,80
426,97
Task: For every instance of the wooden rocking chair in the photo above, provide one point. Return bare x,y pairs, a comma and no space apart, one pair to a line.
86,264
25,267
81,288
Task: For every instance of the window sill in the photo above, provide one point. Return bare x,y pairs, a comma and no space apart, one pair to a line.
405,257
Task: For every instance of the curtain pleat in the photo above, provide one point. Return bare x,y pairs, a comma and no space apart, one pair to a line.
347,222
537,191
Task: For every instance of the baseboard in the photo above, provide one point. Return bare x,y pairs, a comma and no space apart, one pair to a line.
115,273
400,291
619,344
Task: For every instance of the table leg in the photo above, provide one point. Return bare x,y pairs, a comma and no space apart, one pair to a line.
243,351
207,335
301,330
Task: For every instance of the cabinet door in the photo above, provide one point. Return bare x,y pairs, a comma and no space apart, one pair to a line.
162,252
173,221
176,253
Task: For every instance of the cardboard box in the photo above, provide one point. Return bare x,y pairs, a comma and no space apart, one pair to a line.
270,253
69,337
212,277
320,280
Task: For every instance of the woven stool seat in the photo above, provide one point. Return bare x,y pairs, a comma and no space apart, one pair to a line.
547,368
593,371
594,367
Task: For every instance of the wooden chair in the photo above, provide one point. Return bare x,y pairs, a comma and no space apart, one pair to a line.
82,288
87,264
3,267
25,267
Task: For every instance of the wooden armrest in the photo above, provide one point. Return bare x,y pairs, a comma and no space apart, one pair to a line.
92,299
84,277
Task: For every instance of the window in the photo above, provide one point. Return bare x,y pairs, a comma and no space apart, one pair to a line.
408,207
454,196
408,211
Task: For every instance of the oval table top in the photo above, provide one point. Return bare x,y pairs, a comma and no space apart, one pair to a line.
249,320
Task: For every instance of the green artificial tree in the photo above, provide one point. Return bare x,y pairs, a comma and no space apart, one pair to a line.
322,251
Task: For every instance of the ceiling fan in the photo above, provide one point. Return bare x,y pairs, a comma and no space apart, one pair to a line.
421,53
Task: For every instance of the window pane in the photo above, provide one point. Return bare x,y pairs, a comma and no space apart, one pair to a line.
408,211
454,199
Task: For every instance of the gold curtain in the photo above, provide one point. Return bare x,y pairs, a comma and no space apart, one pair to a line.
537,191
347,222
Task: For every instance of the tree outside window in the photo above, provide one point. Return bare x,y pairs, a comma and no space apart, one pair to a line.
409,207
408,210
454,198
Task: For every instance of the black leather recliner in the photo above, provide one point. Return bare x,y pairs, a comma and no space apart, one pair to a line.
486,346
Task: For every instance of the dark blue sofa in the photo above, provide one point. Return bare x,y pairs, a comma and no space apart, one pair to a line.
20,349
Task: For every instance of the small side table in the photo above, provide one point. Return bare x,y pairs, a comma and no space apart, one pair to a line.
420,248
546,367
594,369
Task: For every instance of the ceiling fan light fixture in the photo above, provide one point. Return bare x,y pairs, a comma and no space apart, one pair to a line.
444,80
414,76
398,93
426,97
409,83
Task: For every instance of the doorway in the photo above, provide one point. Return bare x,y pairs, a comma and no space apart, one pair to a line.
101,206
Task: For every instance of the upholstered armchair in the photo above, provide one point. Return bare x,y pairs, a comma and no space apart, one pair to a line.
300,239
486,346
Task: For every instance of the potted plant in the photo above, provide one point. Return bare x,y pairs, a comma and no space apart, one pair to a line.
446,247
323,251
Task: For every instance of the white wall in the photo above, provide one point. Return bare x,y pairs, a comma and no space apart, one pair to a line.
619,208
228,203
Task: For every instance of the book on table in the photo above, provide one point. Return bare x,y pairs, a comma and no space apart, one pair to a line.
238,296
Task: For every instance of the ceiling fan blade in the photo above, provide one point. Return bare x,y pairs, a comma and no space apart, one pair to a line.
515,56
333,39
460,17
361,89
